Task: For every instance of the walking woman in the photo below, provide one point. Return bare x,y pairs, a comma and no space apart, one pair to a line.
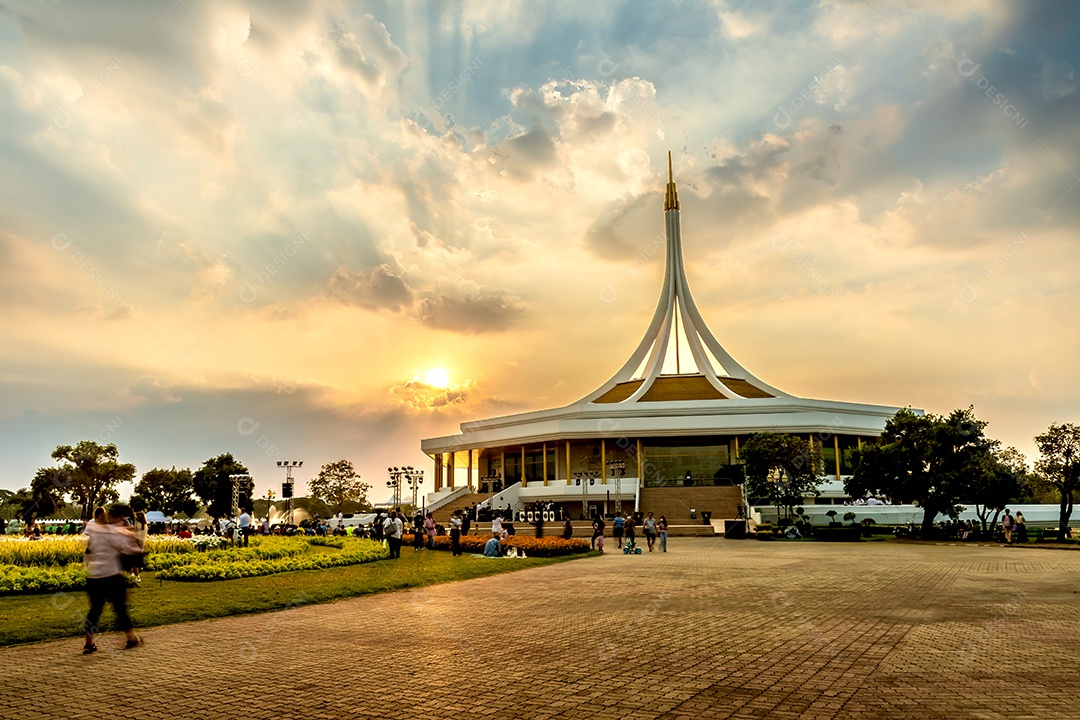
661,530
106,540
136,561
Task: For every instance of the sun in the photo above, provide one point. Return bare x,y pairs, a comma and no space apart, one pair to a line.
437,377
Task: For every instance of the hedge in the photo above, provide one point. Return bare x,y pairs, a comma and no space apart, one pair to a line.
534,547
203,572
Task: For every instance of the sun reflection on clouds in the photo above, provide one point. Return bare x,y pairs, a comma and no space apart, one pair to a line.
432,390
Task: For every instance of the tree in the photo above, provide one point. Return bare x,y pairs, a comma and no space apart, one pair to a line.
1059,466
91,474
337,484
923,459
782,467
43,498
170,491
213,486
997,479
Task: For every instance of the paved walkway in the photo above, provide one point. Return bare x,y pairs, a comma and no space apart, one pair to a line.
713,629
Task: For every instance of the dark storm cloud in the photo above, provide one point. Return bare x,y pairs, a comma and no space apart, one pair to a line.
379,289
477,310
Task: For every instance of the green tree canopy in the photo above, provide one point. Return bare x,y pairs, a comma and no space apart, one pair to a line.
170,491
996,479
43,498
90,474
1059,466
214,488
928,460
782,468
338,484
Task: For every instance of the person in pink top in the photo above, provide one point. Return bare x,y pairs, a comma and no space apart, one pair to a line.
429,529
107,538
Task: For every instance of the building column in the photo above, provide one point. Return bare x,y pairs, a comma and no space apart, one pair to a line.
450,468
641,480
524,482
603,461
567,462
438,471
543,454
468,480
836,455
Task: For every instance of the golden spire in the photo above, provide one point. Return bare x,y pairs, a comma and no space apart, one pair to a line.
671,197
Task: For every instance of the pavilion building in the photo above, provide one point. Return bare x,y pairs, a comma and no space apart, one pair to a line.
661,435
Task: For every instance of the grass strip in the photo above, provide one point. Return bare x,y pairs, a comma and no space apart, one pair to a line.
30,618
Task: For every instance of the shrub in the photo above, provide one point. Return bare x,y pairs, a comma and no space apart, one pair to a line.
361,551
534,547
48,551
15,580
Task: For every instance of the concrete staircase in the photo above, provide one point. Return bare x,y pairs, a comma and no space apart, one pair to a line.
443,513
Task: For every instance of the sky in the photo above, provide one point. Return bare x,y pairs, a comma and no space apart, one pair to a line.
314,231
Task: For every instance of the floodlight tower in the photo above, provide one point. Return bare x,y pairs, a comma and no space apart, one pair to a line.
287,486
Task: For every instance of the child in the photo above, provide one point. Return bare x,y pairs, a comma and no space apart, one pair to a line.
600,543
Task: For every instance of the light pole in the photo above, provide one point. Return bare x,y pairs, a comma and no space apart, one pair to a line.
235,480
287,486
415,479
617,469
585,479
397,476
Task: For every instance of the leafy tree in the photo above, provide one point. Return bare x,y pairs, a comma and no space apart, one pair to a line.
338,484
170,491
43,498
1059,466
997,478
91,474
213,486
782,467
923,459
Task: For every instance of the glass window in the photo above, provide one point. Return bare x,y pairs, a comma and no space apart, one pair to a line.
513,468
534,466
686,463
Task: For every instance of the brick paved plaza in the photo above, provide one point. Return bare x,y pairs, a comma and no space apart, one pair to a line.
713,629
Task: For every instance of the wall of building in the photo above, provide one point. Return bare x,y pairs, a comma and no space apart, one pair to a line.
676,502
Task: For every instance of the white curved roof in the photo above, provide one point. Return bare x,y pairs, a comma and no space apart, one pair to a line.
711,394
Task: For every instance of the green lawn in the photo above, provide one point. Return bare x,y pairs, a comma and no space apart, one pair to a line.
28,618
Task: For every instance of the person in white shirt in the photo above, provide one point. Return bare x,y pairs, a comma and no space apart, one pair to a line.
245,525
392,529
496,524
455,533
106,540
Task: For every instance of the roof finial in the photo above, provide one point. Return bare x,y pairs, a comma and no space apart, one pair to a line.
671,196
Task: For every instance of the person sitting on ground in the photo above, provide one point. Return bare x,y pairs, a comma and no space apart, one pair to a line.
492,548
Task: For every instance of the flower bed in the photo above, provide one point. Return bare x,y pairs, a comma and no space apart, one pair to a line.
533,547
35,566
45,552
362,551
16,580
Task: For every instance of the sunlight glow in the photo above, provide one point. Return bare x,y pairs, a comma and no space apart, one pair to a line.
437,377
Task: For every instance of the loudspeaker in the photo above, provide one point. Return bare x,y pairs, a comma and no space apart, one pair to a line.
286,490
734,529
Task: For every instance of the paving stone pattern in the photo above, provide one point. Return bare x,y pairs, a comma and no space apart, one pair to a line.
712,629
